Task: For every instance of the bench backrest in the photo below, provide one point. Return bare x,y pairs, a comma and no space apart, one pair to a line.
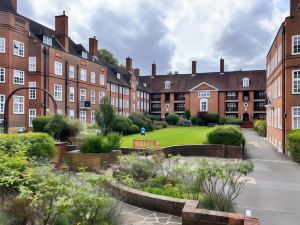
145,143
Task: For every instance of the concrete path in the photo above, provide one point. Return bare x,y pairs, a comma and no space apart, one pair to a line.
275,198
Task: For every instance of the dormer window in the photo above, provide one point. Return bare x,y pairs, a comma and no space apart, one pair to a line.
84,55
167,85
246,82
47,40
118,76
145,85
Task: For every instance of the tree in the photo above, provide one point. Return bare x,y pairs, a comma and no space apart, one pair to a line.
107,56
172,119
187,114
105,116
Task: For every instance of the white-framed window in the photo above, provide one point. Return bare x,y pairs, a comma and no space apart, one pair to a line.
117,102
203,105
118,76
32,64
167,85
102,79
133,107
2,45
19,48
296,117
296,81
71,71
93,117
59,111
204,94
47,40
138,94
58,92
120,90
2,103
93,96
2,75
32,92
246,82
93,77
71,94
83,74
58,68
18,104
296,44
84,54
279,118
138,104
112,101
19,77
72,114
32,115
83,117
133,95
82,95
231,94
113,88
101,96
279,86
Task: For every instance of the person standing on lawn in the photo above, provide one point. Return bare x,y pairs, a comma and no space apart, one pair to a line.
143,131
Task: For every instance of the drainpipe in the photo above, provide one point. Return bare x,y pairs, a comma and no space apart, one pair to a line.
46,72
284,94
77,92
66,88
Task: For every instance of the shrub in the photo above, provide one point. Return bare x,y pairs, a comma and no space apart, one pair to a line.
114,139
207,118
141,121
158,125
194,120
260,126
184,123
294,144
226,135
230,121
100,144
124,125
39,145
62,129
187,114
39,123
172,119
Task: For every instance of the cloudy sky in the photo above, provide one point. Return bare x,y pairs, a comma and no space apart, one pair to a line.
171,33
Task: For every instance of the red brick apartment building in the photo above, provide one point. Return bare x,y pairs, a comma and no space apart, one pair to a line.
283,80
32,55
239,94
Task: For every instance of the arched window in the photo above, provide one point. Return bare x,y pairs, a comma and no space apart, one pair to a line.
167,85
246,82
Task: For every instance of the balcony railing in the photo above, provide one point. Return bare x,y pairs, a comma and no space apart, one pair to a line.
232,109
231,98
155,99
179,109
246,98
155,109
179,98
259,108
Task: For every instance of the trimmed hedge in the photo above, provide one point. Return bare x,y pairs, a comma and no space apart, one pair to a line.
230,121
260,126
293,139
207,118
226,135
124,125
172,119
38,145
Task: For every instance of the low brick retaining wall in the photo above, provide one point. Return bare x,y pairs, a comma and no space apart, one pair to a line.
220,151
187,209
61,150
91,161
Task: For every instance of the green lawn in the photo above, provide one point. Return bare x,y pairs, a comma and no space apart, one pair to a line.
171,136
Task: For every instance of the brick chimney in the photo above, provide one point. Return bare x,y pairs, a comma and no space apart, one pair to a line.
194,68
62,30
222,66
294,7
10,5
93,46
153,70
128,64
137,72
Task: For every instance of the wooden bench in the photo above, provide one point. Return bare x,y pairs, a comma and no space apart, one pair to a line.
144,144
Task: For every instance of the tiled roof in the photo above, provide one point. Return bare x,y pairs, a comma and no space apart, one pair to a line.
229,81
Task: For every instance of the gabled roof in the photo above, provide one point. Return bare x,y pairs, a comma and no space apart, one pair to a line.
206,84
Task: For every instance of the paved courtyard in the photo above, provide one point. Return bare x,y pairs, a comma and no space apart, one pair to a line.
275,198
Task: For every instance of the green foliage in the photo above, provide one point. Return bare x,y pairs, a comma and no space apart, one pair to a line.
100,144
39,123
158,125
124,125
172,119
38,145
194,120
294,144
141,121
226,135
187,114
184,123
105,115
207,118
61,128
260,126
107,56
230,121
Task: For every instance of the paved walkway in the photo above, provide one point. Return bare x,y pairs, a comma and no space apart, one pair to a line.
275,198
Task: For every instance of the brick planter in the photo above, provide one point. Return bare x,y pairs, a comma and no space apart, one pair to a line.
187,209
91,161
61,150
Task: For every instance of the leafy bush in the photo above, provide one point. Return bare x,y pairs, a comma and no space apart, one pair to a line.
158,125
260,126
230,121
172,119
187,114
62,129
39,123
194,120
207,118
226,135
38,145
184,123
100,144
141,121
124,125
294,144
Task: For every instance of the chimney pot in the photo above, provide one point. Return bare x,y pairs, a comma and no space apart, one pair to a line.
194,67
153,69
10,5
93,46
128,64
222,66
137,72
